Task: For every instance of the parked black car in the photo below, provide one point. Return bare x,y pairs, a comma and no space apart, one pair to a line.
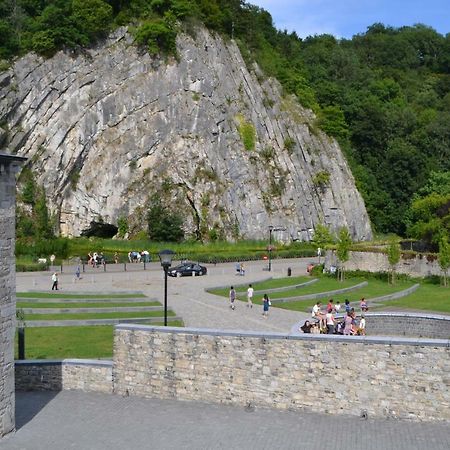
187,269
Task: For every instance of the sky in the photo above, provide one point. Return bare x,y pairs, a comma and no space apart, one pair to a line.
345,18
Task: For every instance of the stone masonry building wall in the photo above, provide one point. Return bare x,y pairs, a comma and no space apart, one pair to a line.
8,165
385,377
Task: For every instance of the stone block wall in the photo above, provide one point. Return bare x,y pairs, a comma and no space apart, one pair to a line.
418,266
386,377
69,374
409,325
8,167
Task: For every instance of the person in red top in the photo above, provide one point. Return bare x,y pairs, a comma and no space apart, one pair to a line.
330,306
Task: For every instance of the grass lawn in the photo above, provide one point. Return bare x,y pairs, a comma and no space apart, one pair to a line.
71,342
375,288
83,305
323,285
82,316
429,297
81,296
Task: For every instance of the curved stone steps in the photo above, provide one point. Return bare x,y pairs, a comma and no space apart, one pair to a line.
281,289
319,295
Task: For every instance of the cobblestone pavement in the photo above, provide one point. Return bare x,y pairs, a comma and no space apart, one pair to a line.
186,295
76,420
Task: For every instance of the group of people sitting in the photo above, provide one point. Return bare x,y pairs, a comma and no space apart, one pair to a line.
325,322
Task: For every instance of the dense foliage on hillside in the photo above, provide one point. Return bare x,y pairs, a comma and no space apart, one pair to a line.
384,94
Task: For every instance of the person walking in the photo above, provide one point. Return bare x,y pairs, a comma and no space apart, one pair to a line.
266,304
55,281
250,292
232,297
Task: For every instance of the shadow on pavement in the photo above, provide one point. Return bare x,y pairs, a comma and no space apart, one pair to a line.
28,405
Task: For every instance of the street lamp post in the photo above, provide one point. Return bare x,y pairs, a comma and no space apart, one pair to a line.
165,256
270,247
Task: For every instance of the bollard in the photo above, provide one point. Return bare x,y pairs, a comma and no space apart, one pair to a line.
61,268
83,268
144,264
21,342
289,272
104,266
124,267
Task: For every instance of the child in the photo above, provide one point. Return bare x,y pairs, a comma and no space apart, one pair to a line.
362,326
363,305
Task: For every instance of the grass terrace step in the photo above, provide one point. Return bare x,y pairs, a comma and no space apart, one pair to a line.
48,303
78,295
118,310
87,322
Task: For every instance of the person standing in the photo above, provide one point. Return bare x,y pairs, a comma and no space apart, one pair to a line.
78,272
250,292
232,297
330,322
266,304
55,281
362,326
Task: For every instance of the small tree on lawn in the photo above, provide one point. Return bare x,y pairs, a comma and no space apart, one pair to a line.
343,250
393,254
322,237
444,258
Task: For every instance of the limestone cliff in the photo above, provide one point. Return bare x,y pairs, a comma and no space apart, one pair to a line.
106,129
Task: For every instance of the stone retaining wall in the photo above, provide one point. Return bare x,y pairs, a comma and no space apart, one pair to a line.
384,377
67,374
418,266
408,324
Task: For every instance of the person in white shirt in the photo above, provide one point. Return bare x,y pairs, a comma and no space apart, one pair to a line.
250,291
316,314
362,326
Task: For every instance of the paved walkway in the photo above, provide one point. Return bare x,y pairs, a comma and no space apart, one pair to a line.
65,420
186,295
76,420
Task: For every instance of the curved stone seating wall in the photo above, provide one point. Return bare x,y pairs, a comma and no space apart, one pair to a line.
396,295
319,295
408,325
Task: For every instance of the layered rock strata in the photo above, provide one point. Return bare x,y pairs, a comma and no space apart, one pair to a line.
108,128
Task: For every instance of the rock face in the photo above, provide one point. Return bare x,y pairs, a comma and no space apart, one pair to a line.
107,129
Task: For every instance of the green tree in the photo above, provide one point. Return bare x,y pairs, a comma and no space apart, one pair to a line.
343,250
393,254
163,225
444,258
42,221
122,225
159,35
322,237
92,17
